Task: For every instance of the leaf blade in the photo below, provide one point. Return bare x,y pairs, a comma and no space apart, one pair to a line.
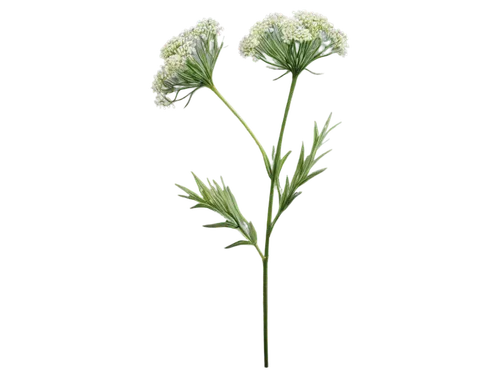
224,224
199,183
238,243
189,192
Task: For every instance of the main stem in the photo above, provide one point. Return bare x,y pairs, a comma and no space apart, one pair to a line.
269,226
266,357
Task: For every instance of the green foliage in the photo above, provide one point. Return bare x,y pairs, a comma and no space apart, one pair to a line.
225,224
281,162
303,170
237,244
216,196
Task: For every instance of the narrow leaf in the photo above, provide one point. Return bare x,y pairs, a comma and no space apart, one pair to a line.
314,174
210,192
286,191
252,234
225,224
300,164
198,206
330,118
181,195
280,166
217,196
323,154
201,186
238,243
314,138
229,199
187,191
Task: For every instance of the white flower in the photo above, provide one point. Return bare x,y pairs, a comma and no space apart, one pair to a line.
277,40
162,87
189,59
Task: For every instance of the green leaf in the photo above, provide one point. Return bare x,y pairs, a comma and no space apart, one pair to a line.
238,243
225,224
252,234
314,133
181,195
298,189
322,154
330,118
222,201
318,148
198,182
233,206
199,206
228,198
282,191
267,163
314,174
315,142
274,154
217,197
300,163
187,191
295,197
244,223
210,191
287,184
282,161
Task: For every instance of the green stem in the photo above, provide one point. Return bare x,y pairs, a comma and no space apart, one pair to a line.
263,152
275,167
265,313
286,114
270,224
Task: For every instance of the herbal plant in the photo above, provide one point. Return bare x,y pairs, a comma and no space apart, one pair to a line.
285,44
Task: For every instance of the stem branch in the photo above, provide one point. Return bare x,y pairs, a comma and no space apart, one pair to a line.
263,152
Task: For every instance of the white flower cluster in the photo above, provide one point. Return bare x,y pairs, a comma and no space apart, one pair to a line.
177,51
160,88
304,26
339,42
314,22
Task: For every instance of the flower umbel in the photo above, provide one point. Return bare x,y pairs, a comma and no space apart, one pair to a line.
189,63
291,44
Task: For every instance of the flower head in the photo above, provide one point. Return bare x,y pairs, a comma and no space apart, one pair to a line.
291,44
189,61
